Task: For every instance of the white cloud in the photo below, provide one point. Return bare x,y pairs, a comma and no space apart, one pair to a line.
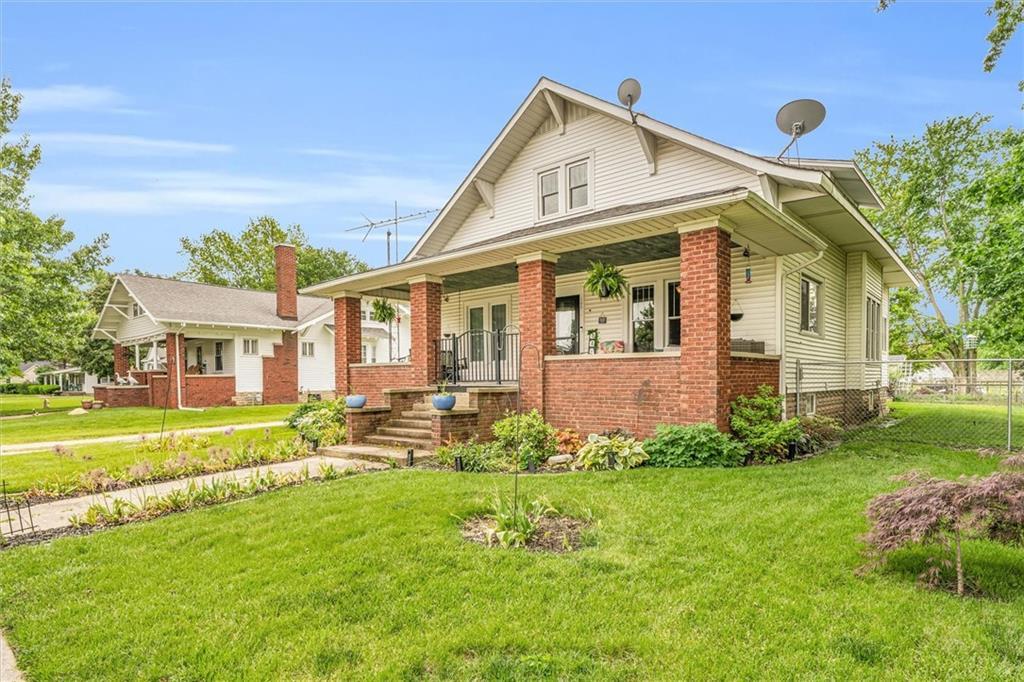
75,98
124,145
169,192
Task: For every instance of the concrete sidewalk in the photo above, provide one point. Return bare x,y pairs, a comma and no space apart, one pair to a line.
22,448
57,514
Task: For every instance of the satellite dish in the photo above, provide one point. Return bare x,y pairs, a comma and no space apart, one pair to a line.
629,94
798,118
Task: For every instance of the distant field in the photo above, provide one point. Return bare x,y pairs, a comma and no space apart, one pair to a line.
27,404
129,420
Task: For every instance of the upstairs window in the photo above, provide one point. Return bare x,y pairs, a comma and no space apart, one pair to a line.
307,349
565,188
810,305
137,310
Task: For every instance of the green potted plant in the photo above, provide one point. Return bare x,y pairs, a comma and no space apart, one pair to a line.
382,311
605,280
443,400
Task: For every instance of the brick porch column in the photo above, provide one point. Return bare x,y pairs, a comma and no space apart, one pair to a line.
536,324
120,360
425,327
175,353
348,338
705,301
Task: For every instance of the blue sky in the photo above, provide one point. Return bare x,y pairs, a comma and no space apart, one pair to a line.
158,121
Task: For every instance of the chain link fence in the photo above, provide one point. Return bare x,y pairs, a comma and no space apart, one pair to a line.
971,403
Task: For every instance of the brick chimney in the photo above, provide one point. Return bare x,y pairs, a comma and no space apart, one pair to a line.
287,289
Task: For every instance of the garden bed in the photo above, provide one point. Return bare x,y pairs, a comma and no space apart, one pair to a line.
555,534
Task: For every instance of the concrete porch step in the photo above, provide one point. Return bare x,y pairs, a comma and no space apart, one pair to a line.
410,423
404,441
373,453
416,414
422,434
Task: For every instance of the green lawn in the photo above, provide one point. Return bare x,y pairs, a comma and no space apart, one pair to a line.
128,420
954,424
699,574
11,404
21,471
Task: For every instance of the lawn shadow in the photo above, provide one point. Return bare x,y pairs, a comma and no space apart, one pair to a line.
991,571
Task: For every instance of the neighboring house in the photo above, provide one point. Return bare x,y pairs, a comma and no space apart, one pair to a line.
72,380
738,267
382,342
235,346
28,372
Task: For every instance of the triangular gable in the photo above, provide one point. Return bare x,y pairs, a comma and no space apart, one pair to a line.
550,106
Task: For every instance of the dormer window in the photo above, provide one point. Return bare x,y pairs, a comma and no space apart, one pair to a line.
564,188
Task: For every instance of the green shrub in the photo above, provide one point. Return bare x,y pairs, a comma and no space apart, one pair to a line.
476,457
819,431
756,420
515,521
302,410
323,422
693,446
29,389
627,452
527,434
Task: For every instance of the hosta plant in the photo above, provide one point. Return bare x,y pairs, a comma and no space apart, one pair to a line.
515,520
610,452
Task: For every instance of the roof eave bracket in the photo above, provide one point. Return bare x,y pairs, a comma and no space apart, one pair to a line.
649,145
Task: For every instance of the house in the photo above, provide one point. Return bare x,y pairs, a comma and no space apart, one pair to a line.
71,380
28,372
235,346
737,265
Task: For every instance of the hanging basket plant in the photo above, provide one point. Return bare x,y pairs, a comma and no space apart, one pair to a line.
382,311
605,280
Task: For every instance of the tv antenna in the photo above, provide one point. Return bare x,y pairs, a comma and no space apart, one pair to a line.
798,118
390,223
629,94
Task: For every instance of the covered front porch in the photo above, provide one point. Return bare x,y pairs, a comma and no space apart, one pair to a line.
698,321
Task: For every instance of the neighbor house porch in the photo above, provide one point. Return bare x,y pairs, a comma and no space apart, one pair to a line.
698,322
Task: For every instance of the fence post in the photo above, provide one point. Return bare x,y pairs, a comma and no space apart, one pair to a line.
1009,405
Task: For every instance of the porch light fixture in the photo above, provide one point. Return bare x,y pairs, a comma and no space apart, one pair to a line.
748,272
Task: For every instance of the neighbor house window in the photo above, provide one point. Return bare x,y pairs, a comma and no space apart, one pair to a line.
362,315
549,194
218,356
250,346
642,316
307,349
672,311
873,342
810,305
565,188
369,354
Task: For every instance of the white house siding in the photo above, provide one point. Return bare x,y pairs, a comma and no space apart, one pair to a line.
620,175
828,347
138,328
757,300
874,288
317,373
855,317
249,368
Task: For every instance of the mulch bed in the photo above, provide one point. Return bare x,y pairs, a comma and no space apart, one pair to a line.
556,534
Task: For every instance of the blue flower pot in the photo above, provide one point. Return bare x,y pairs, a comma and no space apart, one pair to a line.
443,402
355,401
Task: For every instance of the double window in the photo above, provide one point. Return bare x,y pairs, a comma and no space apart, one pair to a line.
307,349
810,305
137,310
873,322
250,346
565,188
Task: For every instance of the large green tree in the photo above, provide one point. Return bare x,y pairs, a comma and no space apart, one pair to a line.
950,213
43,277
247,260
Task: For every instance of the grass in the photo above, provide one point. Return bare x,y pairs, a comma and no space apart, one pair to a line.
21,471
956,424
703,573
13,404
130,420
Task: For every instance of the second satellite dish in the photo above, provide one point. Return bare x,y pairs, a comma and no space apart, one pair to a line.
798,118
629,93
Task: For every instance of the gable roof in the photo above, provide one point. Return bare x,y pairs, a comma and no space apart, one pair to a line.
178,301
545,98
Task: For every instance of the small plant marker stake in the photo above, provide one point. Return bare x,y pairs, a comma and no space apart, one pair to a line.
458,462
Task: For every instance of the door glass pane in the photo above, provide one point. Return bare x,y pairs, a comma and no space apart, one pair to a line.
567,325
476,334
499,320
642,315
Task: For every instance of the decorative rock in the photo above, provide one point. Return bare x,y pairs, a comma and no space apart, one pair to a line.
555,460
77,411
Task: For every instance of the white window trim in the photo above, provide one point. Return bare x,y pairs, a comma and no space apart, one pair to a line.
562,168
808,403
665,317
250,346
312,349
820,333
137,311
629,314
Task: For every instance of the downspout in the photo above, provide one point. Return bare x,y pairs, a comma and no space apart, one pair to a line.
782,322
178,337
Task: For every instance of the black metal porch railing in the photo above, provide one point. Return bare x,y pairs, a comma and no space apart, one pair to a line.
478,356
